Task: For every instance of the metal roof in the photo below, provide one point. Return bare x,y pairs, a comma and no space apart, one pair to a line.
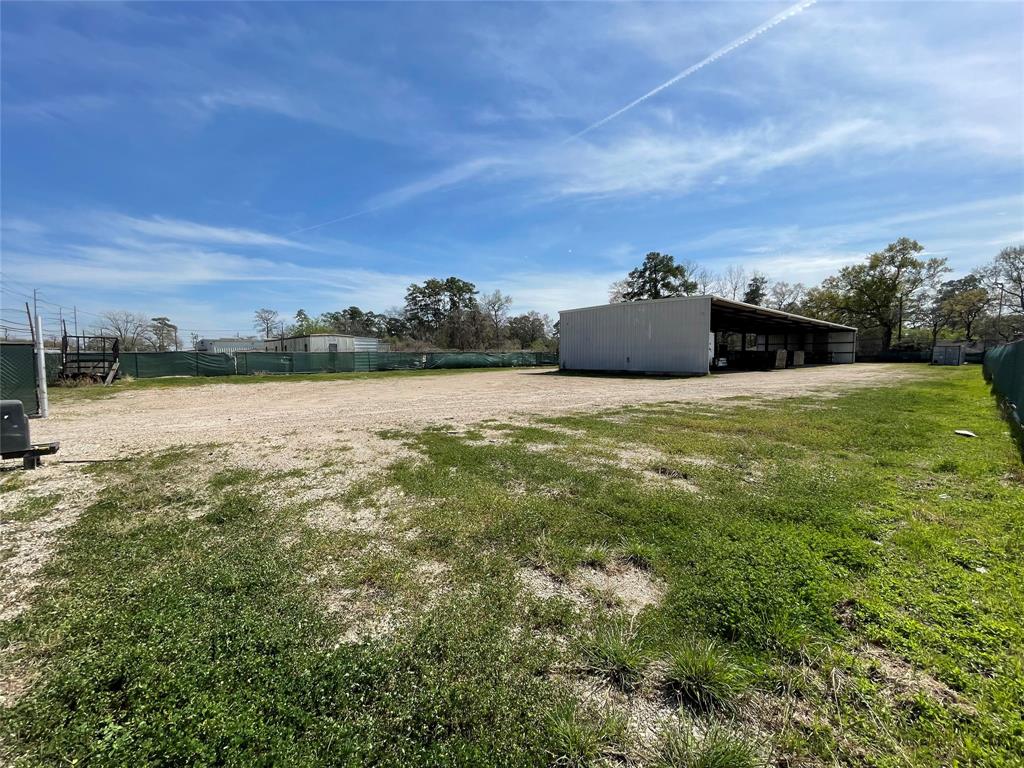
738,310
311,335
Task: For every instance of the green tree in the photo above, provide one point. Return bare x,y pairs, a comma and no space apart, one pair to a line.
757,290
887,291
964,302
164,334
657,278
530,328
445,312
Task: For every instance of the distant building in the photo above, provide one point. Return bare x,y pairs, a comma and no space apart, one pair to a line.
324,342
229,345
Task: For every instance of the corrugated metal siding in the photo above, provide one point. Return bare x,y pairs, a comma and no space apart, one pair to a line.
366,344
842,346
666,336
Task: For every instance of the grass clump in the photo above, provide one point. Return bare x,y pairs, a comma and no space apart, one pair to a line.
582,737
678,747
638,553
614,650
702,675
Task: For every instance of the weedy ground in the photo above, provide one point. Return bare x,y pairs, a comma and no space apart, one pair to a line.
811,581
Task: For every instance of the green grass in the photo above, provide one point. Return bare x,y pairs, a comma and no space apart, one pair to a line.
857,564
59,394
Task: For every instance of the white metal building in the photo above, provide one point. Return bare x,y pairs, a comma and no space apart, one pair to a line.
323,342
230,345
687,334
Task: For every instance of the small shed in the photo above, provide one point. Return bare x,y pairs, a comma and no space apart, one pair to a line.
949,353
323,342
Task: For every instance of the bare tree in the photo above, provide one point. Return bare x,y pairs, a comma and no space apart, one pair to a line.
496,306
734,281
617,291
131,329
1004,279
786,296
704,277
266,321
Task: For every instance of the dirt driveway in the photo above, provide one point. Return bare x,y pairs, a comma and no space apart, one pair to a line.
297,416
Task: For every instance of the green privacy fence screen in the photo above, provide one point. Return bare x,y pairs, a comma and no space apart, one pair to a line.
333,362
1004,370
145,365
148,365
18,375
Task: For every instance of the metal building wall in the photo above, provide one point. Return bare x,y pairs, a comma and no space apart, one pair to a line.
665,336
842,346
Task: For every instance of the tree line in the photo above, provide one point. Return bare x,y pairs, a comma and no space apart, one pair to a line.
895,297
448,313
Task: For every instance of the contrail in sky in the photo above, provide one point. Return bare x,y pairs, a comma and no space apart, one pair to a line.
470,169
738,42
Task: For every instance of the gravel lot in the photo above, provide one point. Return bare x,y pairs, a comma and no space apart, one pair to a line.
297,415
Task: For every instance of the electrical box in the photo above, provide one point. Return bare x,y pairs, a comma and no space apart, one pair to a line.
14,434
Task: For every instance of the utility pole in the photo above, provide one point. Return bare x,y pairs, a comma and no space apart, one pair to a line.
76,320
999,314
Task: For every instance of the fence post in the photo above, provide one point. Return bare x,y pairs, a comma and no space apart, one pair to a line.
42,395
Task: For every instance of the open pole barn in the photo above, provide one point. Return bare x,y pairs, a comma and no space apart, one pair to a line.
691,335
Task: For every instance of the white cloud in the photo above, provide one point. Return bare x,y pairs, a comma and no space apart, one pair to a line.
178,229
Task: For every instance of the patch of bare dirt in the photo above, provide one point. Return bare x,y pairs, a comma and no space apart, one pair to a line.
545,586
28,545
623,584
647,713
620,585
902,679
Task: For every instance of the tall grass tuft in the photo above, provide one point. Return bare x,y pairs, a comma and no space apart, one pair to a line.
678,747
582,737
615,651
703,676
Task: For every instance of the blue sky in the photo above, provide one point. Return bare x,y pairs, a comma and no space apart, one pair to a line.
202,160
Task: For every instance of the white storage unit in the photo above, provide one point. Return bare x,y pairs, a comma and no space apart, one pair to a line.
323,342
229,345
678,336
